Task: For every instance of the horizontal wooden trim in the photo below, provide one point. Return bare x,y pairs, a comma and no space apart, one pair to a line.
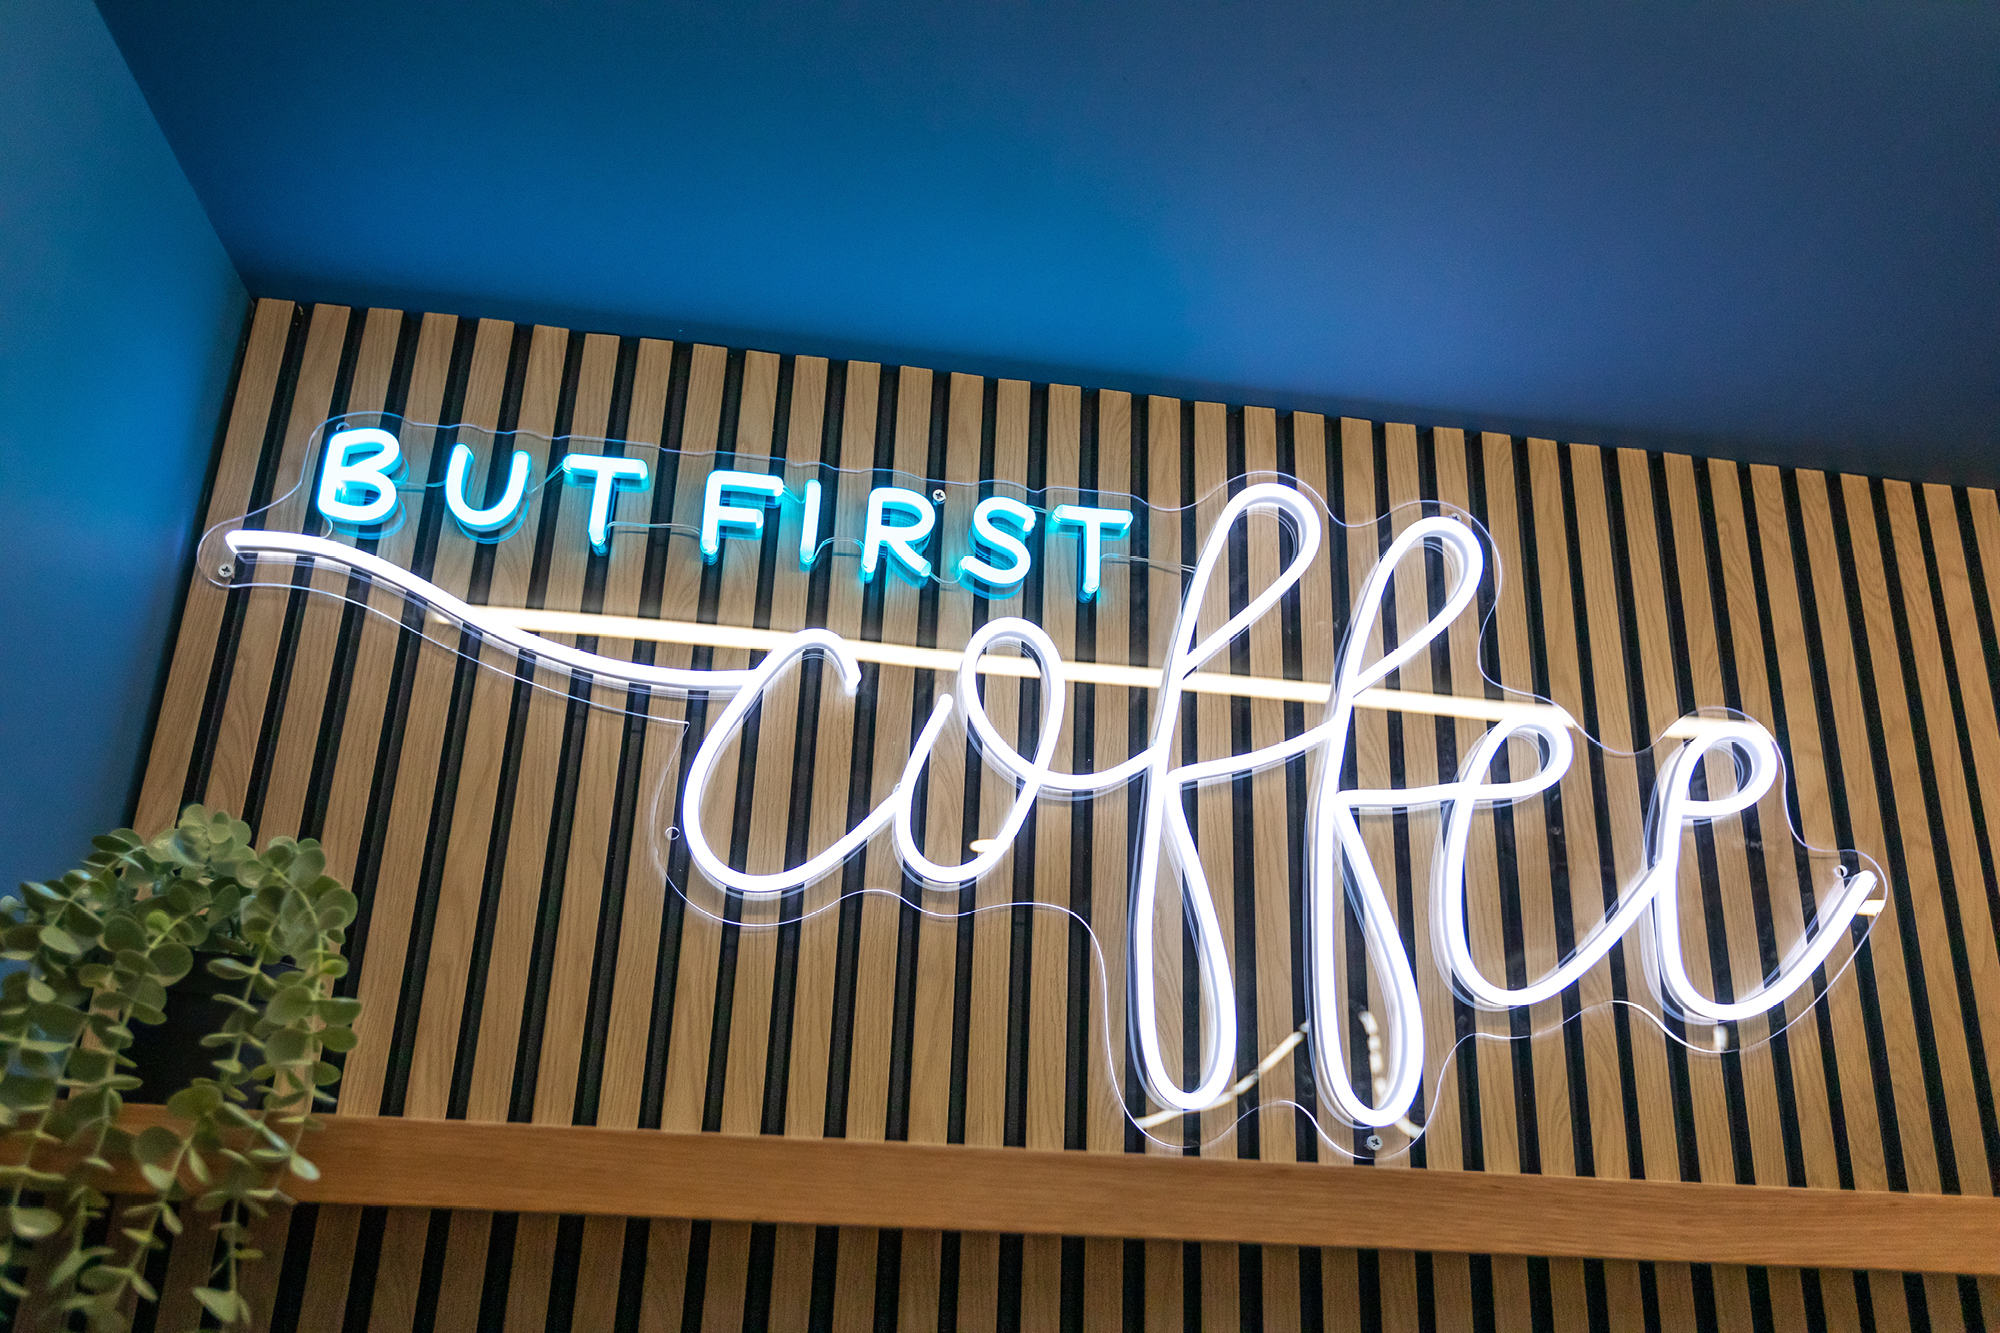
648,1173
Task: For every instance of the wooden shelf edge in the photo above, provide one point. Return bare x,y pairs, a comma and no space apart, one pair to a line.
649,1173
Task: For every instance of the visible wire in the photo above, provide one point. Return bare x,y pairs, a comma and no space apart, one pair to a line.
1447,1062
469,644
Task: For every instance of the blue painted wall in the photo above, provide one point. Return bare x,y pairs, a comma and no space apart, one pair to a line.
119,320
1770,230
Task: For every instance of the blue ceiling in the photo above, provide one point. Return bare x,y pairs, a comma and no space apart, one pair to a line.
1760,229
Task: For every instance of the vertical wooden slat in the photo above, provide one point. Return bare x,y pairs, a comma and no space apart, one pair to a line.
986,1037
1838,635
1268,837
464,1276
258,637
1920,784
1056,826
1553,1124
323,1307
1569,1298
1214,823
1318,635
1890,1308
1452,1279
174,731
749,1034
1559,618
1625,815
1445,1144
978,1282
1955,557
854,1294
927,1041
1739,930
920,1292
701,936
398,1270
1221,1290
464,875
189,1260
1282,1311
662,1301
754,1023
1958,762
1809,765
1365,539
1708,1108
1055,822
1760,696
420,752
592,807
312,660
644,900
722,1290
1041,1281
269,1236
1165,1286
502,996
812,1002
1111,708
1104,1033
867,1076
1340,1289
792,1276
1104,1284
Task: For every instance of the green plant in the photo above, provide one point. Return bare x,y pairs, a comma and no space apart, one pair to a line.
95,953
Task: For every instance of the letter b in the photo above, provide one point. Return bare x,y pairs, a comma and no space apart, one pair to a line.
350,466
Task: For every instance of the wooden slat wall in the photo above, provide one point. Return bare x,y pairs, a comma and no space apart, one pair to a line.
520,957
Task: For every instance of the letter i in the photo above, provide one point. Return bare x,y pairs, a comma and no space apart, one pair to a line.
809,529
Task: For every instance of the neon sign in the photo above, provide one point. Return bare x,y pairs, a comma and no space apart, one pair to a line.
362,466
1340,872
366,463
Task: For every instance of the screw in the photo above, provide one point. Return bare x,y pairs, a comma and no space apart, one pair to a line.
937,496
227,570
1374,1143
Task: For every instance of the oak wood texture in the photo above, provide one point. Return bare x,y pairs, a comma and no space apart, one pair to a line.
406,1163
533,947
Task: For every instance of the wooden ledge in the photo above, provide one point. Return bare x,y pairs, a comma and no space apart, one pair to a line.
649,1173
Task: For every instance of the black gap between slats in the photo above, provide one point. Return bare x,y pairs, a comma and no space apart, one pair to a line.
223,662
204,499
1641,729
632,742
279,692
1838,799
353,616
666,959
402,680
566,774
